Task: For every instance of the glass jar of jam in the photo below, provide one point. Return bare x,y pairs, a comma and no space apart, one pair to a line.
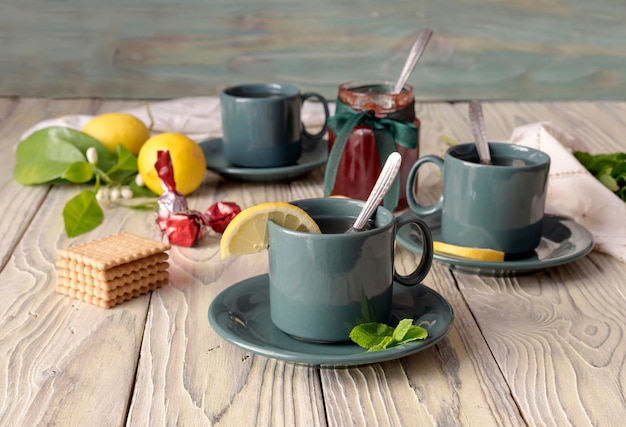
386,122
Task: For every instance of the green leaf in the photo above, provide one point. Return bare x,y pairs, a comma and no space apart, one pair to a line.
609,182
415,333
383,344
403,327
82,141
42,158
82,214
378,336
78,172
367,311
141,191
370,334
609,169
125,159
125,169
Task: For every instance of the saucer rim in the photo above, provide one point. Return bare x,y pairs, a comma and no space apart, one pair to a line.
512,267
309,160
321,360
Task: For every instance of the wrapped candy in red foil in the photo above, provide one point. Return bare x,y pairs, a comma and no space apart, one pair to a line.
220,214
181,225
171,201
184,228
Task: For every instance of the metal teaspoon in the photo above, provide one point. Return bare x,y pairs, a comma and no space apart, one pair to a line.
480,134
384,181
419,45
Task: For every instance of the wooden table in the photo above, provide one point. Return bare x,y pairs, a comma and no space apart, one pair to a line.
542,349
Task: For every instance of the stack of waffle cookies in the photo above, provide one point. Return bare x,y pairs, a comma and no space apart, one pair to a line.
113,269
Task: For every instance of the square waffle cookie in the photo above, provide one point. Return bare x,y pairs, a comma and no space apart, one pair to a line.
108,271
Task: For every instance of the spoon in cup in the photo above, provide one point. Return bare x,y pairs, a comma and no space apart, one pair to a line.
480,134
417,49
384,181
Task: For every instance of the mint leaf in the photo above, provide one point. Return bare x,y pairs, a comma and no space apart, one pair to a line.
375,336
370,334
415,333
384,344
609,169
402,328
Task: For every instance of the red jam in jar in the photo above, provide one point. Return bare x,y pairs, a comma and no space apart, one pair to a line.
360,163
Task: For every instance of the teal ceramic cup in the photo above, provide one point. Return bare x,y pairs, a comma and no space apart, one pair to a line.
499,206
262,126
322,285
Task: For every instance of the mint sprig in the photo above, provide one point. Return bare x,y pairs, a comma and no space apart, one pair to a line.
375,336
609,169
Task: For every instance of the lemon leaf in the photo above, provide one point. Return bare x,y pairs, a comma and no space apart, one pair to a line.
82,214
78,172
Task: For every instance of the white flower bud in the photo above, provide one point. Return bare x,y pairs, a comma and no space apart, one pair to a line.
114,194
92,155
139,180
126,192
102,196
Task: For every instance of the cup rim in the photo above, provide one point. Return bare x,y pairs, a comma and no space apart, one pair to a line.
242,91
544,158
357,203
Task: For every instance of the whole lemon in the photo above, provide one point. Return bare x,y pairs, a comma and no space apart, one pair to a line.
187,160
112,129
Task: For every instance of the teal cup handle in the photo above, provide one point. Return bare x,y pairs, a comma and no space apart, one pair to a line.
410,195
322,285
309,137
408,219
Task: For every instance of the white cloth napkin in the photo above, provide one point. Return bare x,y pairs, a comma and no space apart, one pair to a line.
573,191
197,117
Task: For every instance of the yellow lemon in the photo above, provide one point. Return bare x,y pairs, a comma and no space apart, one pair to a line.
479,254
112,129
247,232
187,160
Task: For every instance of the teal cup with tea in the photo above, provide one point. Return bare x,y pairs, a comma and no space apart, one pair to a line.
322,285
498,206
262,124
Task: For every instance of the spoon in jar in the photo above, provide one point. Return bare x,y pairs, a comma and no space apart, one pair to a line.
480,134
419,45
384,181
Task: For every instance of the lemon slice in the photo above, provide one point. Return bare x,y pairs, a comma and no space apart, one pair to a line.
247,232
479,254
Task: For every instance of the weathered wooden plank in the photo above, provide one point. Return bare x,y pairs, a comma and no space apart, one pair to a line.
148,49
64,361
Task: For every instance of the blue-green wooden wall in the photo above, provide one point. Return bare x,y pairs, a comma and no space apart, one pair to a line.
482,49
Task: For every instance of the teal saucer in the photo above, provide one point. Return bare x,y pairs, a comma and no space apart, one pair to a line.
241,315
563,241
309,160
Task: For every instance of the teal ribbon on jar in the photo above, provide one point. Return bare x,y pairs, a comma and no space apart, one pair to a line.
396,127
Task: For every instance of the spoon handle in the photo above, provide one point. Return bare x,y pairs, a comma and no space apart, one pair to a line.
480,134
414,55
384,181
